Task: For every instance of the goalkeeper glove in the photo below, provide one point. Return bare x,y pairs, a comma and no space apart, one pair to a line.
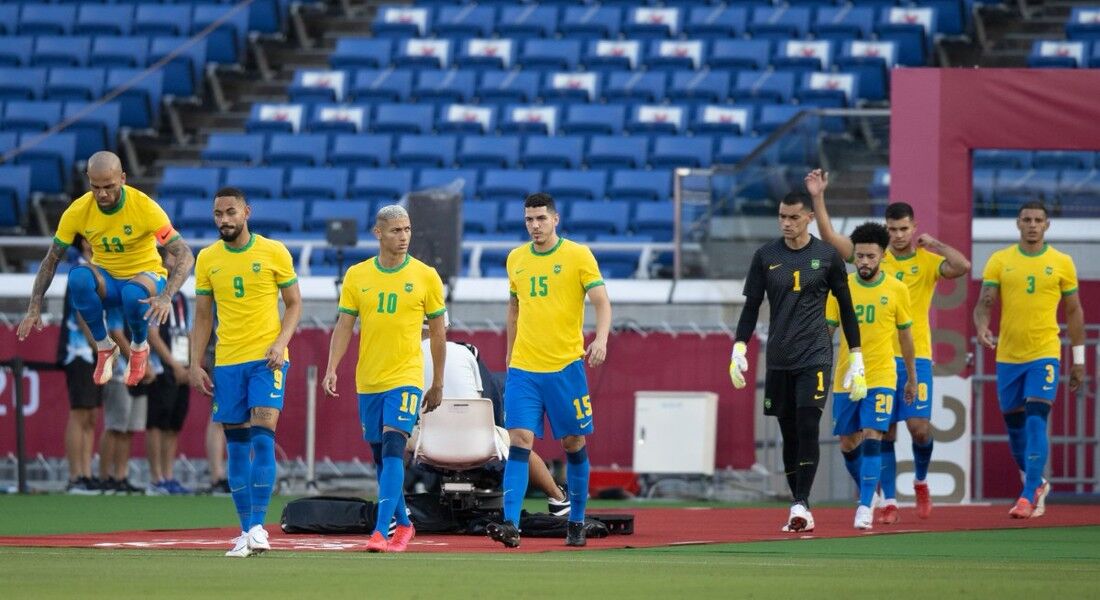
854,380
738,365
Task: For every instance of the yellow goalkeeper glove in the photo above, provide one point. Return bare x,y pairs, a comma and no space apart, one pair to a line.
738,365
854,380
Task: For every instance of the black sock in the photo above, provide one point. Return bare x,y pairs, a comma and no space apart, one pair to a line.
789,432
807,422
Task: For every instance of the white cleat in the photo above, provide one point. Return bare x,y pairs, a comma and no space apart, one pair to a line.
257,540
1041,499
863,518
799,521
240,547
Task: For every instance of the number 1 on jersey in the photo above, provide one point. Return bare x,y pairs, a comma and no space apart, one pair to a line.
408,403
583,406
798,281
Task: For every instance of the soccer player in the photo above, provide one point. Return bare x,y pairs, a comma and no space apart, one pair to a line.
391,295
796,273
244,274
881,304
548,280
124,227
1030,279
919,262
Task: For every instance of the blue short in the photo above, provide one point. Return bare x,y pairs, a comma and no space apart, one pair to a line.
397,408
921,408
1016,382
112,287
873,412
241,387
562,396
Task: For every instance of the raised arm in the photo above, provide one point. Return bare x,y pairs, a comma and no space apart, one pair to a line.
338,345
954,264
201,327
816,182
982,311
42,281
1075,323
597,350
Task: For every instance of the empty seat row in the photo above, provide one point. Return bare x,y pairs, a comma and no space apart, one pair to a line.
1036,159
95,126
140,98
51,159
1072,54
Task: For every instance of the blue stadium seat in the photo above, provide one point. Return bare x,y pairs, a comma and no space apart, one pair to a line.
225,45
590,22
170,208
843,23
640,185
565,88
1057,54
338,118
1077,190
880,183
401,22
380,184
274,118
1002,159
297,150
780,22
98,19
30,116
592,218
983,183
550,55
321,211
653,22
425,151
15,193
489,152
542,152
314,85
117,51
361,53
723,119
716,22
773,116
382,85
710,86
440,178
676,55
616,152
162,19
617,264
312,183
767,87
15,51
656,118
569,186
423,54
670,152
904,27
74,83
9,18
444,86
97,129
403,118
732,150
270,216
530,119
61,51
47,19
493,261
510,185
803,56
872,61
951,16
466,119
234,148
594,119
739,54
192,214
1083,25
183,75
468,20
486,54
360,150
190,182
141,102
654,219
477,217
631,86
613,55
527,21
829,90
21,83
512,86
256,182
1063,159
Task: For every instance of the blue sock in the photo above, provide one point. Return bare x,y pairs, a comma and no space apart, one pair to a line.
870,470
238,466
391,481
515,483
263,471
888,479
576,474
86,301
1038,447
851,462
400,513
1017,438
134,311
922,457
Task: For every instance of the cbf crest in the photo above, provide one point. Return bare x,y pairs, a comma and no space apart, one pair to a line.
127,229
408,287
883,300
1049,270
557,269
815,264
255,267
914,270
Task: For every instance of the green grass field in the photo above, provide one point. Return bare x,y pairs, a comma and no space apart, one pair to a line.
1017,563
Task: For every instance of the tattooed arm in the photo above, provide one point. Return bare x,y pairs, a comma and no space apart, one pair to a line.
160,307
42,282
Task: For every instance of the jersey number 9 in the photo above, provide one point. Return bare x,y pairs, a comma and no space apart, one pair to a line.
238,287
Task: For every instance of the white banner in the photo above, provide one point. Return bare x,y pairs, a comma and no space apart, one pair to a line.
949,473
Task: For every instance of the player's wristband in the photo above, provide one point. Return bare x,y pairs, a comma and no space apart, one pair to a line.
1079,355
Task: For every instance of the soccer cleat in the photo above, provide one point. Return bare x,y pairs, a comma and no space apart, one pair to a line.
105,365
575,534
800,520
400,539
1041,499
135,367
505,533
1022,509
878,502
863,518
888,515
257,540
558,508
924,499
377,543
240,547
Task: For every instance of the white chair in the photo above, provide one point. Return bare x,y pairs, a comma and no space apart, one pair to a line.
456,440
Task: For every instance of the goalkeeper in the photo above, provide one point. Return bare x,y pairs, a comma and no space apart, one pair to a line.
796,273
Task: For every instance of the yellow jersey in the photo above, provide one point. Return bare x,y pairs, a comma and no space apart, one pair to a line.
391,305
919,271
1031,285
124,240
882,308
550,287
245,284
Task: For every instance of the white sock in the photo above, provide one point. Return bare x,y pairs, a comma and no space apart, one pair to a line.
104,344
140,347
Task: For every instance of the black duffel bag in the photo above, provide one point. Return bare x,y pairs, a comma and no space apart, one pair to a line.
329,514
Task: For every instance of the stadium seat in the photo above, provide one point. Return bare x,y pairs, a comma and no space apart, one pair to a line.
443,178
732,150
639,185
423,54
723,119
781,22
480,54
382,85
1017,186
21,83
162,19
651,22
311,183
509,185
829,90
1002,159
47,19
444,86
767,87
716,22
468,20
361,53
75,83
911,28
512,86
871,61
360,150
189,182
403,118
773,116
338,118
493,260
542,152
277,215
530,119
297,150
9,18
234,148
803,56
116,51
51,161
739,54
984,181
670,152
550,55
699,87
527,21
31,116
95,128
613,55
880,183
571,87
16,51
1084,25
1057,54
425,151
590,22
616,152
256,182
141,102
477,217
61,51
193,214
98,19
183,75
656,118
1077,191
618,264
316,85
321,211
594,119
568,186
1063,159
489,152
274,118
224,45
676,55
631,86
466,119
401,22
15,193
380,184
592,218
843,23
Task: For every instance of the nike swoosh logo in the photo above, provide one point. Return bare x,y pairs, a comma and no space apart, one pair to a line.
366,289
1047,388
817,397
586,423
404,418
212,271
920,406
770,267
1007,269
275,396
88,231
518,271
880,419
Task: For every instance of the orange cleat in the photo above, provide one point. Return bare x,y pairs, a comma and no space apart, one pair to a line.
104,365
135,369
888,515
924,500
1022,509
377,543
400,539
1041,499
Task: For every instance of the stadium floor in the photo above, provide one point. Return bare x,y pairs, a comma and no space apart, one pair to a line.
654,527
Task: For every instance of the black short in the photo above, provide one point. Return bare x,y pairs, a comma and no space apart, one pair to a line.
168,404
786,390
83,392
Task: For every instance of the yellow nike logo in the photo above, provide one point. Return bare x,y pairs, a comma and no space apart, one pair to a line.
770,267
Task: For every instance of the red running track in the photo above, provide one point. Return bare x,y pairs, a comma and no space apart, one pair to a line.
652,526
